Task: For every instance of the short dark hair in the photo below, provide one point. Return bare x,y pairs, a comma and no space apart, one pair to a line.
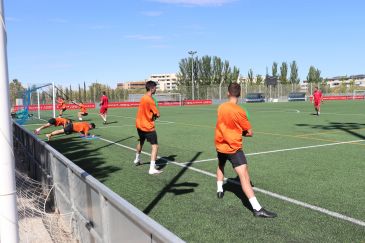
92,125
234,89
150,85
52,121
104,93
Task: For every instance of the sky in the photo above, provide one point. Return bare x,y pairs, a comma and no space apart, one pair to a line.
111,41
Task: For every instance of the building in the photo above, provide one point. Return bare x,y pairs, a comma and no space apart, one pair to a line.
356,80
165,82
132,85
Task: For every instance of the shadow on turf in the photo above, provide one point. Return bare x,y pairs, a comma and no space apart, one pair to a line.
348,127
174,187
85,156
237,190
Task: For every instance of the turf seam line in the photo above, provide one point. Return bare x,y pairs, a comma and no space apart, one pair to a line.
288,149
272,194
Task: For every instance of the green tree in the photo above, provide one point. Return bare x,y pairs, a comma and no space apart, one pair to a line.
80,94
259,79
84,96
314,75
275,69
284,73
250,77
294,78
16,90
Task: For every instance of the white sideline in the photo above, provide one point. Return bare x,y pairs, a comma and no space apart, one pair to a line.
272,194
129,117
288,149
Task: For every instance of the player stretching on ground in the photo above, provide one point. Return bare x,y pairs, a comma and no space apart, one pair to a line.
61,105
58,121
81,127
83,110
104,106
232,124
147,113
317,100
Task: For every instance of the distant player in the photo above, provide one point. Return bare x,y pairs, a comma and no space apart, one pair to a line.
58,121
61,105
232,124
147,113
83,110
317,100
104,106
80,127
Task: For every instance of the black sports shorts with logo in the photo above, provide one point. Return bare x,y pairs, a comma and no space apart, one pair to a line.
151,137
236,159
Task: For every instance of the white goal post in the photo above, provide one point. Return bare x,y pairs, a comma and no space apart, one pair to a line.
358,94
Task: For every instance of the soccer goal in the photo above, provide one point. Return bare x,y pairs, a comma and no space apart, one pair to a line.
166,98
35,102
358,95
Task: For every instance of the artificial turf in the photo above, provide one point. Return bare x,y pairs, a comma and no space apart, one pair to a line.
185,202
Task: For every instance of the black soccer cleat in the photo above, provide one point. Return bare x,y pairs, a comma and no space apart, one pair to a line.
220,195
263,213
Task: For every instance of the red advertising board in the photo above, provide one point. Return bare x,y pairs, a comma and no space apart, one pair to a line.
49,107
342,97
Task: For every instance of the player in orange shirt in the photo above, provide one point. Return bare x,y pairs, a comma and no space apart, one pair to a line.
80,127
83,110
147,113
58,121
61,105
232,124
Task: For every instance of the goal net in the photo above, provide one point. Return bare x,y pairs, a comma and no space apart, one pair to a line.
162,98
358,95
35,104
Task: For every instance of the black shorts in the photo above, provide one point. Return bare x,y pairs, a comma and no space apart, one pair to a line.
236,159
84,114
68,128
151,137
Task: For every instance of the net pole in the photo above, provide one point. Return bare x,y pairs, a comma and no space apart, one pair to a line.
39,105
8,209
53,100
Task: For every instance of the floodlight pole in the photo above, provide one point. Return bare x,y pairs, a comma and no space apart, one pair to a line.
192,53
8,208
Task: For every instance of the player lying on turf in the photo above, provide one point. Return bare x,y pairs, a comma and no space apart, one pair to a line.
80,127
104,106
83,110
61,105
232,124
317,100
58,121
147,113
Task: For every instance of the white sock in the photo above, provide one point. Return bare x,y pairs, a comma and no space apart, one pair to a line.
255,204
219,186
137,156
152,165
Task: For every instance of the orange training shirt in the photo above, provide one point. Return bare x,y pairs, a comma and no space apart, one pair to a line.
232,121
83,108
146,109
82,127
61,121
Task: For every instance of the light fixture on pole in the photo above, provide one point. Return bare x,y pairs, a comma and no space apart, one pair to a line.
192,53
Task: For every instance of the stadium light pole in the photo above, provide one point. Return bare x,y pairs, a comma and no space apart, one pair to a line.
192,53
8,209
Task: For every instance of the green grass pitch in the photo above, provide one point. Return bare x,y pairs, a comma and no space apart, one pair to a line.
319,161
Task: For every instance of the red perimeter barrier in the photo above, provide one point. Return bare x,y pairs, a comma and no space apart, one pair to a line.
119,105
342,97
49,107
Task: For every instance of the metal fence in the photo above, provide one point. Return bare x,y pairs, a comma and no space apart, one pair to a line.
100,215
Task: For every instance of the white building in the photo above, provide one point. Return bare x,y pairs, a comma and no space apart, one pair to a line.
165,82
357,80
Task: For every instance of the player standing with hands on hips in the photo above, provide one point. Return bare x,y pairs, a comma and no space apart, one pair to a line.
146,115
317,100
104,106
232,124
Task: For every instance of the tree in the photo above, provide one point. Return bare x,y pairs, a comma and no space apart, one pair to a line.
314,75
16,90
250,76
294,79
80,93
275,69
71,96
259,79
284,73
84,97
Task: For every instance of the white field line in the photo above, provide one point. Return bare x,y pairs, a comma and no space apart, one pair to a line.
288,149
272,194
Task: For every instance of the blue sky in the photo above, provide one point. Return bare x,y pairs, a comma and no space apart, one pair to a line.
73,41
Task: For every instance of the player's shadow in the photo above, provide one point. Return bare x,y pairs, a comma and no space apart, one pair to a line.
85,156
163,161
233,185
174,187
111,122
114,143
348,127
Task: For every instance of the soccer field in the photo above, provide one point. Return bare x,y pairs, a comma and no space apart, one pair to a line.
308,169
